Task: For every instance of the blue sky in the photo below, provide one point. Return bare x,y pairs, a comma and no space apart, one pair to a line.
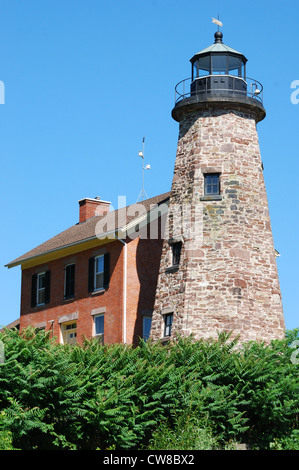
86,80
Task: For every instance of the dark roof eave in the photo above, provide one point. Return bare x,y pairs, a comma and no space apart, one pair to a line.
205,54
18,261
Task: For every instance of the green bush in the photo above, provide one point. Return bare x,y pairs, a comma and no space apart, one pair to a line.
186,433
195,394
290,442
5,434
6,440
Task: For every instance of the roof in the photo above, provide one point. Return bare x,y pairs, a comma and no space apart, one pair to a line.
14,324
91,229
218,47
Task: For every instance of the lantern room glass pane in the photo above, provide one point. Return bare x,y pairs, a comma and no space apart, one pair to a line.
195,70
219,64
242,69
204,65
234,66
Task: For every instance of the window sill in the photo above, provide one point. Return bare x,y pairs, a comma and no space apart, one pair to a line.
68,299
98,291
39,307
215,197
172,269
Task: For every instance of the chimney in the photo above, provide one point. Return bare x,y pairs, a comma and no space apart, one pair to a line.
89,207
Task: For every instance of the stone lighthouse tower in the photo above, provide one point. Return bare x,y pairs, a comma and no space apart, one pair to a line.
218,266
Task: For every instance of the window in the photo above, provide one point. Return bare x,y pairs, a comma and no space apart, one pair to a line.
212,184
219,64
203,65
69,281
176,253
98,321
69,332
146,328
40,289
168,324
99,273
98,325
235,66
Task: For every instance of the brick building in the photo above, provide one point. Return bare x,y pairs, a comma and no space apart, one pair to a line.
97,278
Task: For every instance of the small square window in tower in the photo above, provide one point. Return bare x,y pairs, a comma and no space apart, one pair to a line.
176,253
212,184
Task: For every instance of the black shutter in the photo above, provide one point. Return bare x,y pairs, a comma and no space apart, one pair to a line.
69,281
72,282
47,286
106,270
33,290
91,275
66,282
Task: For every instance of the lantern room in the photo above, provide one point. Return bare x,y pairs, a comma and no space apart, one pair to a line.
218,69
218,78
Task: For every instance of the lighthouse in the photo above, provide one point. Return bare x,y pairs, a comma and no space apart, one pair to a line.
218,268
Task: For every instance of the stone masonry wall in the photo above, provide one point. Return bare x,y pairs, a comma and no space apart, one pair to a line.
227,277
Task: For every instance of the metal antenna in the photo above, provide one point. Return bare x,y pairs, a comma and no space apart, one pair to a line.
142,193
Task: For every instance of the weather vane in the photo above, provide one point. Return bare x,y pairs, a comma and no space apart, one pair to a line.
217,22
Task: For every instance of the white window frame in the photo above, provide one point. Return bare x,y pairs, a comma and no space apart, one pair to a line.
40,289
100,272
167,327
95,334
211,174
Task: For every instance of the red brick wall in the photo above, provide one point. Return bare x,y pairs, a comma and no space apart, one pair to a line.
143,267
143,262
90,207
